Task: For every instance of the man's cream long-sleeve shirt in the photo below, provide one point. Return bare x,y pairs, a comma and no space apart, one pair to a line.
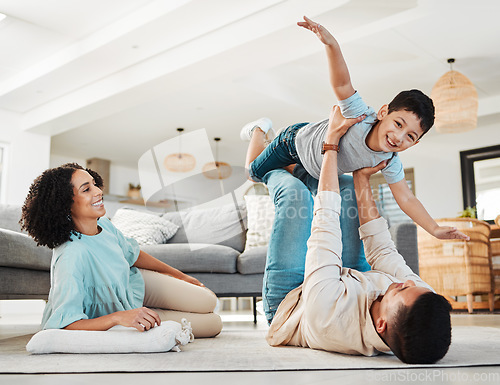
331,309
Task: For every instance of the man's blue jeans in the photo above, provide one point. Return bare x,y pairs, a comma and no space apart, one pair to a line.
287,249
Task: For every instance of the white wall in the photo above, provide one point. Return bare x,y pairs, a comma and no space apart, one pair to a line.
28,156
58,160
436,161
119,176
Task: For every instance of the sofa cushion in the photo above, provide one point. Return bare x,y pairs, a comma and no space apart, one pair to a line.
232,285
145,228
224,225
9,217
24,283
260,220
252,261
195,257
19,250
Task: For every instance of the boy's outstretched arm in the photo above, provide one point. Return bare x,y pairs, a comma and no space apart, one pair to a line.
339,74
416,211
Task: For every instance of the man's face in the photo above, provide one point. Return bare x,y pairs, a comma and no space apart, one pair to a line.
400,294
398,130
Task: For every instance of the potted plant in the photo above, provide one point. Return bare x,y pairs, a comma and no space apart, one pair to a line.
469,212
134,191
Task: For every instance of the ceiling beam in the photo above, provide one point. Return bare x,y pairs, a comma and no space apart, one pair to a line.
489,106
149,79
84,48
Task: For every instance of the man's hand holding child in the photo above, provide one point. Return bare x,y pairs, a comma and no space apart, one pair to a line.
338,125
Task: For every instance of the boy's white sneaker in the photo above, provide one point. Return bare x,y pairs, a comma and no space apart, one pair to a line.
265,124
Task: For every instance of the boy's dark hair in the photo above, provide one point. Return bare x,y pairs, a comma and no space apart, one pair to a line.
421,334
46,213
417,102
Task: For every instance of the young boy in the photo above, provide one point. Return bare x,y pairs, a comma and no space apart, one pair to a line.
378,137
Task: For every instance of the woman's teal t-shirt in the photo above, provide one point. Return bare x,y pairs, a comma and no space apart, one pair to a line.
93,276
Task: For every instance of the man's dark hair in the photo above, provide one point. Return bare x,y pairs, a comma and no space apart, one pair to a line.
421,334
417,102
46,213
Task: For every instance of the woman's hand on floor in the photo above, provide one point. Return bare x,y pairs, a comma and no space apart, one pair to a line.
141,318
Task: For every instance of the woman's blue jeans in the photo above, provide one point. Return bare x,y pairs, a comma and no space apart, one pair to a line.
291,229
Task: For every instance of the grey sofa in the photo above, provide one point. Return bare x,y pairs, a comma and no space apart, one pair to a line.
224,267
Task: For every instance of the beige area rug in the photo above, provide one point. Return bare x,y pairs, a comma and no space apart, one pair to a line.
243,351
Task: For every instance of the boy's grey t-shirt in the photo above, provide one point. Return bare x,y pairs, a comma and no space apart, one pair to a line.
353,151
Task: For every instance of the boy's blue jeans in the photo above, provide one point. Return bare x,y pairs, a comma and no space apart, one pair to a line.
279,153
291,229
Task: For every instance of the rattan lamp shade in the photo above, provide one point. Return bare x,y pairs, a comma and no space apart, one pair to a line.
455,100
180,162
217,170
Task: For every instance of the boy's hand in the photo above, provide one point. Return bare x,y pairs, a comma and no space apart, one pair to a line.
447,232
338,125
321,32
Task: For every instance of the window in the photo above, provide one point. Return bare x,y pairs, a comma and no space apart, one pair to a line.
480,181
3,172
385,201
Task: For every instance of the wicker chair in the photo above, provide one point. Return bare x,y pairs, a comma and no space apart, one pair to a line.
457,267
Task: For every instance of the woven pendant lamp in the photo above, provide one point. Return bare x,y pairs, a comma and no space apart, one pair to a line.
455,100
217,170
179,162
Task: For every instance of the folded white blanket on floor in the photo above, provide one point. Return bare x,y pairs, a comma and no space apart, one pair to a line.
168,336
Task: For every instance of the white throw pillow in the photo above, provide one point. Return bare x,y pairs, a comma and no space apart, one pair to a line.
260,214
145,228
168,336
224,225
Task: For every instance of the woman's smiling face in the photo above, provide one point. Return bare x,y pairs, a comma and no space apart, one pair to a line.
87,199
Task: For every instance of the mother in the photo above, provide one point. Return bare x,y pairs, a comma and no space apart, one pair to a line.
99,277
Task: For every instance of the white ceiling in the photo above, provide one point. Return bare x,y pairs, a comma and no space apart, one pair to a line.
113,78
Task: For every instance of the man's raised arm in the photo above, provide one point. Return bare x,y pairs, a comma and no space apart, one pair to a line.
367,209
380,250
323,265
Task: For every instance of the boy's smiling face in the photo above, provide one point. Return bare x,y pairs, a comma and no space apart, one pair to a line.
395,131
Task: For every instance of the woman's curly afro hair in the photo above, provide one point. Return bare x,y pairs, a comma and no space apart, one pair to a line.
46,213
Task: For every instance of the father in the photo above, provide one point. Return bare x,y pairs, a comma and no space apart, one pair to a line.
338,307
